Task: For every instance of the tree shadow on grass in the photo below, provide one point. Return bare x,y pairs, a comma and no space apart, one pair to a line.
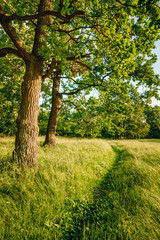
95,220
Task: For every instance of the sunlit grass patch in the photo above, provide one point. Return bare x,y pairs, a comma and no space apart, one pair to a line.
126,203
76,165
34,201
83,189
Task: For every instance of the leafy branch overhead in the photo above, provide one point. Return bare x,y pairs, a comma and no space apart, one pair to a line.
78,45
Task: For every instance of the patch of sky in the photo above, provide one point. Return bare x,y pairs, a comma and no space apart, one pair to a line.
156,69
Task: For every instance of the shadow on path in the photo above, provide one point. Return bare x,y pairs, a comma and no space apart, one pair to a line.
119,210
99,219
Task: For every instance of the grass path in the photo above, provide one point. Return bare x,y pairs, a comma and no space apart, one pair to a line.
83,189
126,203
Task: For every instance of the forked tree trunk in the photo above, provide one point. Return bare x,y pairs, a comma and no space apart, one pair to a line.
26,147
53,118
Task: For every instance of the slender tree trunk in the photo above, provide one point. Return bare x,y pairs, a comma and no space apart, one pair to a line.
53,118
26,147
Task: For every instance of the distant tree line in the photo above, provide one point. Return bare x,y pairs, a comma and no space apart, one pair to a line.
147,125
65,49
116,114
118,111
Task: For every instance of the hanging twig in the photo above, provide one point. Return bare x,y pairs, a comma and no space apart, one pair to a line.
64,101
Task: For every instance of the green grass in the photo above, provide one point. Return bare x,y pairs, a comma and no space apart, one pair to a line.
82,189
34,201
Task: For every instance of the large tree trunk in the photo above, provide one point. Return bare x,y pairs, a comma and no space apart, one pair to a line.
53,118
26,147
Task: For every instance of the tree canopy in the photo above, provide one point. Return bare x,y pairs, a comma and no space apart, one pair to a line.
90,42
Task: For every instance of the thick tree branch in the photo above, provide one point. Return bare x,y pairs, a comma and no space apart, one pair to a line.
66,19
87,85
11,32
39,33
6,51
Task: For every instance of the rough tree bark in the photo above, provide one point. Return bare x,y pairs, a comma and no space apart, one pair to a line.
53,118
26,147
27,129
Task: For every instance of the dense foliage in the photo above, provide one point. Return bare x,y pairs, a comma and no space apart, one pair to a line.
11,70
153,119
95,119
78,45
118,112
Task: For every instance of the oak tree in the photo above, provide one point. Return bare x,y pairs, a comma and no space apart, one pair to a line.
104,36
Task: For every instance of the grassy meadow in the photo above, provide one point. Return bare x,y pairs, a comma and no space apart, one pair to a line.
83,189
